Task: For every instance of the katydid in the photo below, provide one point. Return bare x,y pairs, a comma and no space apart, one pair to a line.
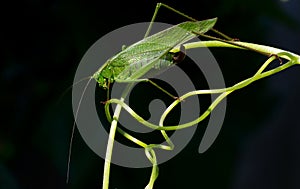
152,52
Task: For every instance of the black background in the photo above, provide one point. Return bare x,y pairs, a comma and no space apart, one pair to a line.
43,42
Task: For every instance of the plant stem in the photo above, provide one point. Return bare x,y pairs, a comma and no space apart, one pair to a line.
111,138
261,48
294,60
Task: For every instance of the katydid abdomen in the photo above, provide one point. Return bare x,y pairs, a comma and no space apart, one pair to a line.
142,66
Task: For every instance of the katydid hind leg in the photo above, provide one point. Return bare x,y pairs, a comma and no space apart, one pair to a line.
231,43
193,19
158,5
152,20
223,35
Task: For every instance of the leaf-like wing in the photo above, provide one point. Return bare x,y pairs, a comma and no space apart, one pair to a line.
139,58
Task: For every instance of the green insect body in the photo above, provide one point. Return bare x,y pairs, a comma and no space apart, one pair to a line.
150,53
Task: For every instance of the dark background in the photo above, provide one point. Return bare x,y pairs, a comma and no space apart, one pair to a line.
44,41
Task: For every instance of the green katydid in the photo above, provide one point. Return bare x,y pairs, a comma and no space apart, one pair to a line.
123,67
153,51
133,62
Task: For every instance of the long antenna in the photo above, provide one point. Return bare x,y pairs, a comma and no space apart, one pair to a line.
73,130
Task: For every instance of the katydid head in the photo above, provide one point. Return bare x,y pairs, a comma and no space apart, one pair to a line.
104,76
100,79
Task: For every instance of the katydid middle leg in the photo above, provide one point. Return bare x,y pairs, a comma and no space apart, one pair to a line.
151,82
